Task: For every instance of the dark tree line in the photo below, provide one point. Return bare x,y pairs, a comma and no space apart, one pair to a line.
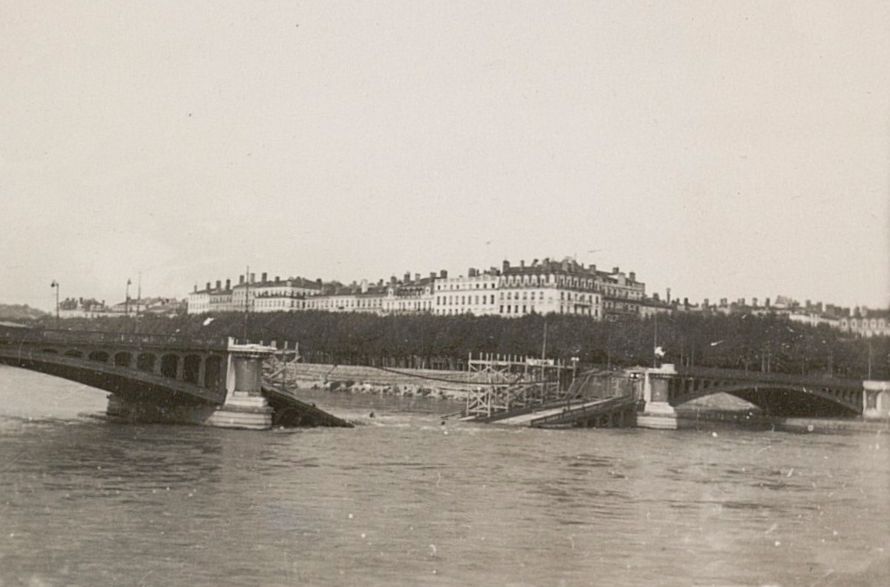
768,343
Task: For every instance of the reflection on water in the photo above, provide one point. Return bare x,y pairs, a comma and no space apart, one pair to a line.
404,499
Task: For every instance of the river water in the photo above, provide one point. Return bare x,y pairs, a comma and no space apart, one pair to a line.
402,499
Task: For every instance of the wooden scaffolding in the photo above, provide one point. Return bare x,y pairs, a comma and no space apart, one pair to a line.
510,382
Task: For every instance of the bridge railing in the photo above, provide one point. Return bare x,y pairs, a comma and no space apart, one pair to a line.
34,336
760,376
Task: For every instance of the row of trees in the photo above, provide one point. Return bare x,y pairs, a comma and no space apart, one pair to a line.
741,342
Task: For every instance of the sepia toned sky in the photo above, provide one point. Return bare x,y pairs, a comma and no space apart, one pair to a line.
723,149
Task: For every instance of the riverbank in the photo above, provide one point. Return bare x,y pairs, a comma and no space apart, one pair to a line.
437,384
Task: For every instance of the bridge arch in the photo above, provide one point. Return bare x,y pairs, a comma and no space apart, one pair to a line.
781,399
128,367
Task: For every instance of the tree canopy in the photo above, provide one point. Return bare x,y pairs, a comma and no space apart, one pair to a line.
767,343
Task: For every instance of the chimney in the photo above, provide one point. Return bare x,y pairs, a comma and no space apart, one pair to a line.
706,303
196,288
754,302
593,268
655,296
364,286
443,274
685,302
417,277
218,284
392,279
318,281
506,265
522,263
668,295
432,275
616,269
240,280
633,276
407,276
263,277
252,277
228,284
471,272
208,286
766,302
277,279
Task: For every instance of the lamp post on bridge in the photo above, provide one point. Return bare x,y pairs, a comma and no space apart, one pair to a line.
127,300
55,285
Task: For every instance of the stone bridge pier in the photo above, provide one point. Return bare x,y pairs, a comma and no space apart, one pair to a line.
657,413
876,400
244,406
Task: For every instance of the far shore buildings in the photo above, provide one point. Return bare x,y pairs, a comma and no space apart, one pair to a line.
541,287
92,308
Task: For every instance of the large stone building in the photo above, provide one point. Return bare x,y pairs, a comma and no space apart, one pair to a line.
550,287
474,294
541,287
623,295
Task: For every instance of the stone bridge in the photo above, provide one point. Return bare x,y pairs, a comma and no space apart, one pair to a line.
776,394
163,378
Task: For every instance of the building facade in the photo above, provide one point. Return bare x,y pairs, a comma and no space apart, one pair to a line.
541,287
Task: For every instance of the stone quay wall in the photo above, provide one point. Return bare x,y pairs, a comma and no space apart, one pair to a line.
359,379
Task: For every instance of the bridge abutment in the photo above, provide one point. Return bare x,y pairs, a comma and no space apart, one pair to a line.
876,400
657,412
244,406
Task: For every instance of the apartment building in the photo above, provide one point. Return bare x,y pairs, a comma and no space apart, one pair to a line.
474,294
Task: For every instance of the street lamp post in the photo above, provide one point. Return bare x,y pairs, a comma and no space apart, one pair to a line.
55,285
127,300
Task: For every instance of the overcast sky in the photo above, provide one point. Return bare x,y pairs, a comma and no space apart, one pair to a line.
723,149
